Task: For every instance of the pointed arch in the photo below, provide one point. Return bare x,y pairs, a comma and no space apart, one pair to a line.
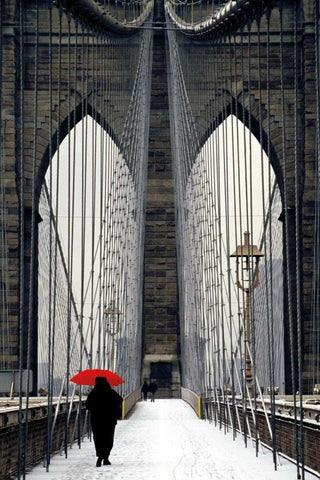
73,119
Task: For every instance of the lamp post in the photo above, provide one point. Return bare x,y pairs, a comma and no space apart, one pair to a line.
112,316
250,256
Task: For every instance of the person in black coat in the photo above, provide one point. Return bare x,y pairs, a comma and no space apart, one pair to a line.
105,406
153,387
144,390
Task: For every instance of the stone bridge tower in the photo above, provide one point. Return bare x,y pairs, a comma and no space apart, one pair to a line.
160,313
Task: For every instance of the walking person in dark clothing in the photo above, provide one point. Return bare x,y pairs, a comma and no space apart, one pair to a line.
153,387
105,406
144,390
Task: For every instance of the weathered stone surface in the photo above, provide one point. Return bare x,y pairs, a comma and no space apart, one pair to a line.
160,320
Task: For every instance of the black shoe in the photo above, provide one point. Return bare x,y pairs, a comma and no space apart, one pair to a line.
99,461
106,461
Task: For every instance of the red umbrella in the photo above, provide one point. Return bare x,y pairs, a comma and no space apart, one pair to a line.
87,377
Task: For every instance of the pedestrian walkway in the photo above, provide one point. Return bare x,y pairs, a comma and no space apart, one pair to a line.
165,440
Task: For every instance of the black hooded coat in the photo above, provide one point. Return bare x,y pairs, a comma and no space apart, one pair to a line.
105,406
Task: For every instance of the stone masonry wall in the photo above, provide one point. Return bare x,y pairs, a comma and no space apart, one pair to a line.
37,439
160,314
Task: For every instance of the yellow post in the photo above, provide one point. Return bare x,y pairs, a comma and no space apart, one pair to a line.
199,407
123,408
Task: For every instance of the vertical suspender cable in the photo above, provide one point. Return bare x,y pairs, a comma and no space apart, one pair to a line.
33,226
3,243
247,305
233,80
92,192
93,184
84,189
102,192
250,225
69,250
216,158
244,329
218,312
258,20
75,69
6,344
96,172
270,329
225,170
84,108
75,164
105,205
50,383
251,339
109,153
316,313
237,149
208,246
21,453
82,223
56,210
100,85
57,193
298,228
286,219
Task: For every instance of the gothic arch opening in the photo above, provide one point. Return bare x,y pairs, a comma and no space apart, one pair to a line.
232,190
88,259
256,126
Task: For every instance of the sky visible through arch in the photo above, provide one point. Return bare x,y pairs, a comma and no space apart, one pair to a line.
242,181
246,178
80,212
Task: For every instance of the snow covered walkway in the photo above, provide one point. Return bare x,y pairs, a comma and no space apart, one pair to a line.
164,440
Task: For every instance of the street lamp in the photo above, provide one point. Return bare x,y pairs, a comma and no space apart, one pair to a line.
112,316
112,324
250,256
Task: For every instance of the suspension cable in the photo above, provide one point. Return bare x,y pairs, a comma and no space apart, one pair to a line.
21,452
33,234
297,238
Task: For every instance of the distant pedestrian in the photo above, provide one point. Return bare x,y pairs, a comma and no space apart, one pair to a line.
153,387
105,406
144,390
